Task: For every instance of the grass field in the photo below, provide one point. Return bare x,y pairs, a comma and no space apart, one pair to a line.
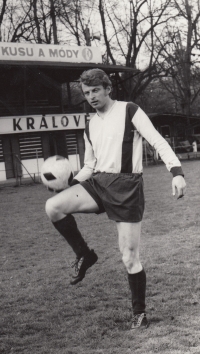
41,313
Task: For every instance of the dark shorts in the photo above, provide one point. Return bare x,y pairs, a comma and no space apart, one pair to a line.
120,195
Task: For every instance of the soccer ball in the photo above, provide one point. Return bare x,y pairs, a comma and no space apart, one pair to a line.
56,173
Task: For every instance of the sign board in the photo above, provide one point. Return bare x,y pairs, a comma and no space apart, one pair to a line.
49,53
41,123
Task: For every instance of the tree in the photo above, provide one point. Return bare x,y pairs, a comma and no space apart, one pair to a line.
156,100
148,36
32,21
75,17
133,37
2,13
53,20
13,21
181,58
37,22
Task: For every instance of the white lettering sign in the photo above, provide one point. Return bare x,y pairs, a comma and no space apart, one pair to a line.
49,53
35,123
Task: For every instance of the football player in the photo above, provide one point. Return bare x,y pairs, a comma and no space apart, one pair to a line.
111,181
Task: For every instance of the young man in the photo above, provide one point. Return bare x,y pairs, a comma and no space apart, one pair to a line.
111,181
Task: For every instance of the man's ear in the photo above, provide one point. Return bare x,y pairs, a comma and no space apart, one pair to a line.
109,90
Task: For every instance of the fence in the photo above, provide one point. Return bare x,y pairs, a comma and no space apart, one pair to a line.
182,148
13,170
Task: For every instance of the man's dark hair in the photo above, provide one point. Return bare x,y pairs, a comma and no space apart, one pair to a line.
95,77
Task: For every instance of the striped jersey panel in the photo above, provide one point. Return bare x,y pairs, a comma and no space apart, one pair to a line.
113,144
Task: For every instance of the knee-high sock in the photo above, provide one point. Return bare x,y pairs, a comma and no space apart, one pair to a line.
67,227
137,283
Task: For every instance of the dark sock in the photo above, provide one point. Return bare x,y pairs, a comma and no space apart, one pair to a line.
137,284
67,227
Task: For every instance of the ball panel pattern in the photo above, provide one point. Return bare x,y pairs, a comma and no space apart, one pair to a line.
57,173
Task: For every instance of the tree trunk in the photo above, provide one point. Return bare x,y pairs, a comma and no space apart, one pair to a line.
39,39
187,71
53,18
1,16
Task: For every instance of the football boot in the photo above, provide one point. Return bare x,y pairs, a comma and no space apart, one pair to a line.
139,321
81,266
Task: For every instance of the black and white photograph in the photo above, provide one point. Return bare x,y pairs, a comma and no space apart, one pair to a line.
99,176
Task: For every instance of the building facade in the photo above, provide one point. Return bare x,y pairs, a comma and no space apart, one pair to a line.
42,110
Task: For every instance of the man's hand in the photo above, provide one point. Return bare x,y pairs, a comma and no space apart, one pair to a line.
179,186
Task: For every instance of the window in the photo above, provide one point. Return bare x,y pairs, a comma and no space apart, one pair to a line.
30,147
71,142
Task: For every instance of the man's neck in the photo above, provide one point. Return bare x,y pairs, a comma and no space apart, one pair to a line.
102,112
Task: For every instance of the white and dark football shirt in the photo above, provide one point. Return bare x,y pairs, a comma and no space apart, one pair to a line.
113,144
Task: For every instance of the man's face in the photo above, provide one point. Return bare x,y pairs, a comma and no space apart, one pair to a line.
97,96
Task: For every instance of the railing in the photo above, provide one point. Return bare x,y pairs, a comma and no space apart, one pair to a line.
182,148
15,170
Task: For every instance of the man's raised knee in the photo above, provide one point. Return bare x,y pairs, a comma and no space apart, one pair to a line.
50,208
